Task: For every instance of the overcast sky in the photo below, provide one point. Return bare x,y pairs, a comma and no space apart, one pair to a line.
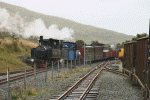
125,16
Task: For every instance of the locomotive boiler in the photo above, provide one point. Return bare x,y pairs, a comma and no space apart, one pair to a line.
47,51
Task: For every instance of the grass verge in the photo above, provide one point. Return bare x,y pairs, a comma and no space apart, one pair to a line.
10,50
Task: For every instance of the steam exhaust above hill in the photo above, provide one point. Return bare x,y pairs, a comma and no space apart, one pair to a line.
14,23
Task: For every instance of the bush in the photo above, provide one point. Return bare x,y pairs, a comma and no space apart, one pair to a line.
3,59
14,47
29,92
2,49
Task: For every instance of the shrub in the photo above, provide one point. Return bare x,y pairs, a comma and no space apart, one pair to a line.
14,97
3,59
31,92
14,47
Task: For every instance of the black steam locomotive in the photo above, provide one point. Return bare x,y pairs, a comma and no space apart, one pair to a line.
53,50
48,50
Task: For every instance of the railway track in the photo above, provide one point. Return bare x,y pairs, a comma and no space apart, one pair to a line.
20,74
15,72
84,88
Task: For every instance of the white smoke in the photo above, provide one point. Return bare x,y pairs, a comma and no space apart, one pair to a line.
4,16
16,24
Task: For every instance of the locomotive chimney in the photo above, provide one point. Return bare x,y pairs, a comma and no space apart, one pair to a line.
41,40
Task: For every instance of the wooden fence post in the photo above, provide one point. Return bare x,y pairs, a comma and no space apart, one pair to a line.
123,70
25,76
34,74
62,64
71,64
90,62
8,84
0,95
58,68
67,65
75,63
46,72
79,61
86,64
52,70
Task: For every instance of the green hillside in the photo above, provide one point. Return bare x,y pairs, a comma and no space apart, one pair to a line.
10,50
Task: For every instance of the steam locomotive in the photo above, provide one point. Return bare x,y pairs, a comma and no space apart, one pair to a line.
53,50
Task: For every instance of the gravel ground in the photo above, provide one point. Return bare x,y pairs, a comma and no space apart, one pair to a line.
116,87
55,86
40,80
58,87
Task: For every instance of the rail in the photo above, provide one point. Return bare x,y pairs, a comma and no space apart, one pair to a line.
76,84
15,72
117,72
89,86
14,78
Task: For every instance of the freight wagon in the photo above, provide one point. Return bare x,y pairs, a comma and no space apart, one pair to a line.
106,51
135,61
89,52
129,56
94,52
141,56
98,50
113,54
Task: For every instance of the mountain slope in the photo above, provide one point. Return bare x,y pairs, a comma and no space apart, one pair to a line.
85,32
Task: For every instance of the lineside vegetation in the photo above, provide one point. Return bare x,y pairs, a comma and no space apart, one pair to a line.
10,50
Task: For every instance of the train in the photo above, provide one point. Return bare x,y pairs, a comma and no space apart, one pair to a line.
53,50
136,62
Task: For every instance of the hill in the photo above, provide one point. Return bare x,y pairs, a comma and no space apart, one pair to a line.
85,32
10,50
